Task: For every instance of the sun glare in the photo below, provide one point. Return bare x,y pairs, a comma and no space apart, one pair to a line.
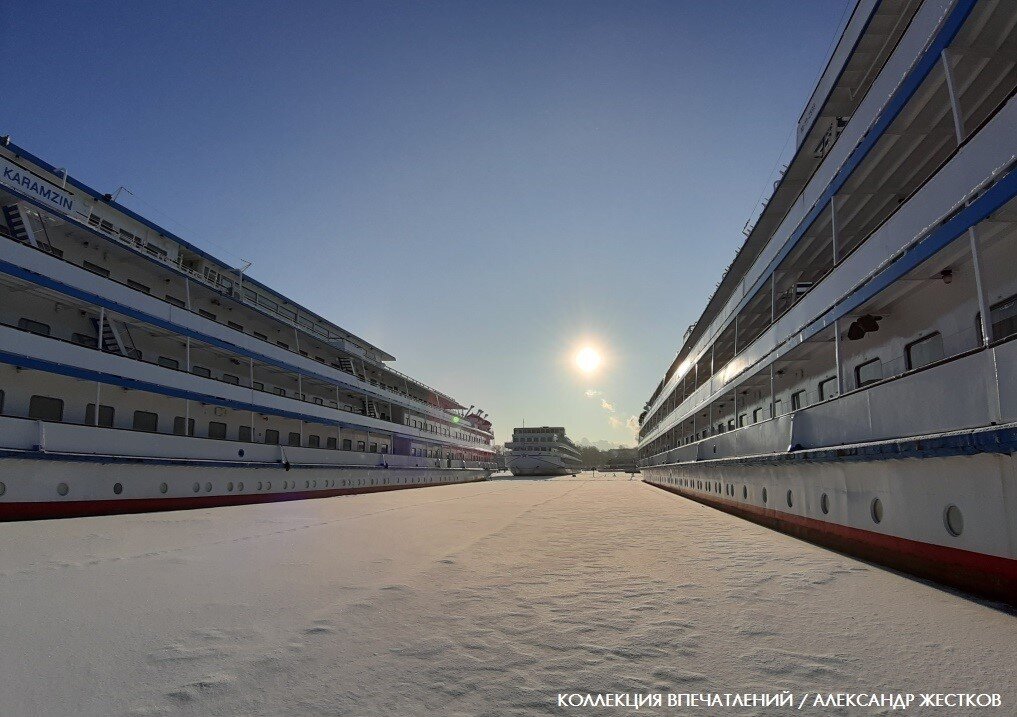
588,359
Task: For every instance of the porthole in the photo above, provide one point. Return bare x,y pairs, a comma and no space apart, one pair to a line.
307,484
824,503
208,487
259,485
764,496
877,510
62,489
241,453
268,485
952,516
196,487
229,487
314,484
790,500
240,487
745,492
3,488
118,488
163,488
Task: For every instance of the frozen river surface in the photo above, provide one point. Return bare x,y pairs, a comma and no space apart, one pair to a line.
488,598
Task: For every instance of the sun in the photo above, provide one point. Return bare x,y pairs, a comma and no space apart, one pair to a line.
588,359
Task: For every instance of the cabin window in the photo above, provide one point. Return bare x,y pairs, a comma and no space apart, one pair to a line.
283,344
201,371
272,436
330,443
374,448
259,336
230,378
85,340
294,438
34,327
105,415
757,415
168,362
244,434
828,388
924,351
267,303
259,386
776,409
1002,316
314,441
206,314
2,396
384,448
280,391
146,421
361,446
138,286
319,401
45,408
235,325
175,301
250,295
96,269
742,419
304,353
868,372
347,444
178,426
799,400
156,250
217,430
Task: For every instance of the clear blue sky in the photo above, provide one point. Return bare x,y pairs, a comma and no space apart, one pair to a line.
476,187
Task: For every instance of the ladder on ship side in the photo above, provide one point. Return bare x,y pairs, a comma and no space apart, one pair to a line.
346,364
23,228
371,408
116,338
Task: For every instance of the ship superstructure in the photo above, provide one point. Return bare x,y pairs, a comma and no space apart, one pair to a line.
139,372
542,451
851,380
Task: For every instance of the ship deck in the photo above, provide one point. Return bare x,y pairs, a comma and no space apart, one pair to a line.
488,598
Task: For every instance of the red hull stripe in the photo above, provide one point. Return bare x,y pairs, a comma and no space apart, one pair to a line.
78,508
986,575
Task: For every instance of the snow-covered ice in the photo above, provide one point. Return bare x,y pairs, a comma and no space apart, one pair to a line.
486,598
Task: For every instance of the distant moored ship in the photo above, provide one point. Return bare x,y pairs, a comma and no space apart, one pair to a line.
543,451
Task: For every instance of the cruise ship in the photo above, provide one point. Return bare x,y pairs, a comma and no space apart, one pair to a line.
853,378
139,372
543,451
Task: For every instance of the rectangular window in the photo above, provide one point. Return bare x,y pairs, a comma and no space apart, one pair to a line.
314,441
304,353
217,430
206,314
85,340
347,444
361,446
175,301
319,401
757,415
272,436
105,415
868,372
280,391
925,350
138,286
230,378
244,434
799,400
742,419
374,448
330,442
1003,316
178,426
283,344
35,327
235,325
384,448
168,362
259,336
96,269
146,421
250,295
828,388
44,408
259,386
294,439
776,409
201,371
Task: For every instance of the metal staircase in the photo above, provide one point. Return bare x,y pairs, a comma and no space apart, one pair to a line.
346,364
116,338
371,408
21,225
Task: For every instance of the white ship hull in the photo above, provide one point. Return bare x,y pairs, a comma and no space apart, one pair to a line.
539,465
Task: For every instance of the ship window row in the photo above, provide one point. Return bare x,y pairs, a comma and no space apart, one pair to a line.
917,144
148,344
919,323
211,304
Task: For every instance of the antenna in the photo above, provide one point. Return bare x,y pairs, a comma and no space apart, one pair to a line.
121,188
